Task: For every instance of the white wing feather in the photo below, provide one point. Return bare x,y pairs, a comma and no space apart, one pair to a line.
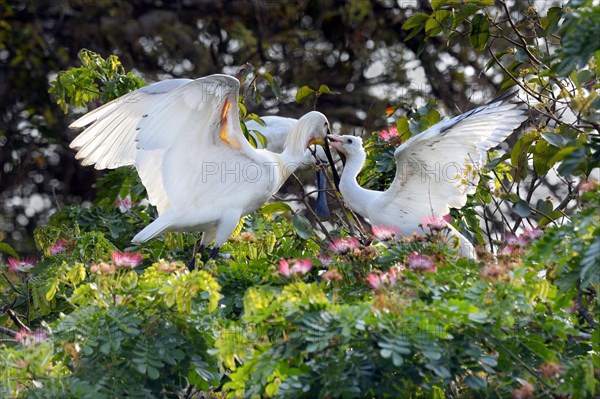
436,169
110,140
276,131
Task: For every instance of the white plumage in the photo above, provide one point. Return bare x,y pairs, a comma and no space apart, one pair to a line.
185,140
435,170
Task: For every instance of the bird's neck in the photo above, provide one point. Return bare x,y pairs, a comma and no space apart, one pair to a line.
294,150
354,195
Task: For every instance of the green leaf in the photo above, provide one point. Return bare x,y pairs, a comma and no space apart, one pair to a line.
475,382
403,128
480,32
555,139
481,2
323,89
303,93
274,84
437,22
521,208
51,289
7,249
302,226
274,207
416,21
550,22
463,13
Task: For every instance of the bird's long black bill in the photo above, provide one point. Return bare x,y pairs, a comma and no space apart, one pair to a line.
322,208
336,177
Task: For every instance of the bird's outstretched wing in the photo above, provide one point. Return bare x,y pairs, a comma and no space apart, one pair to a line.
109,141
170,131
194,138
436,169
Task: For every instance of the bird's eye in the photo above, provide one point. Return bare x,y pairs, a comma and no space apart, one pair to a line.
349,141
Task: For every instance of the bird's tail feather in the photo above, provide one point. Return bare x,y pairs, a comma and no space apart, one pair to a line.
160,225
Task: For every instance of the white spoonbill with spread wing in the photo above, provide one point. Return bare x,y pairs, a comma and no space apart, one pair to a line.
435,170
185,140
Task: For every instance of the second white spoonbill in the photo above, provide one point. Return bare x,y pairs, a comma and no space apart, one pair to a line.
435,170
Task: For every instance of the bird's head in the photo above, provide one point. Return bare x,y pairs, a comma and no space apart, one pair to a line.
317,125
347,145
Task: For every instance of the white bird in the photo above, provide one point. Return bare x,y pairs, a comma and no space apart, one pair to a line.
185,140
435,170
276,130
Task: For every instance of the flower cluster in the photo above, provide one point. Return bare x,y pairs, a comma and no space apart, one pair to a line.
389,134
436,223
551,369
124,204
293,267
384,233
380,280
22,265
28,338
526,391
420,262
123,260
342,246
102,268
514,244
59,247
126,259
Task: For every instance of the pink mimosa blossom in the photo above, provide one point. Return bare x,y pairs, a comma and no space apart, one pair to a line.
420,262
298,268
343,245
124,204
533,234
436,223
59,247
389,134
325,260
22,265
384,233
126,259
28,338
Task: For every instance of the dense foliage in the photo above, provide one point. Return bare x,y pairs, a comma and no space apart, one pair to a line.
295,310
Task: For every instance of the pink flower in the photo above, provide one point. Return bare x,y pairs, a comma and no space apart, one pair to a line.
27,338
300,267
377,281
512,240
284,268
507,250
383,233
126,259
23,265
59,247
436,223
124,204
343,245
587,185
389,134
374,280
325,260
420,262
533,234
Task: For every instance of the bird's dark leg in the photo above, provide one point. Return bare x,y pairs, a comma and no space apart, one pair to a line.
214,252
